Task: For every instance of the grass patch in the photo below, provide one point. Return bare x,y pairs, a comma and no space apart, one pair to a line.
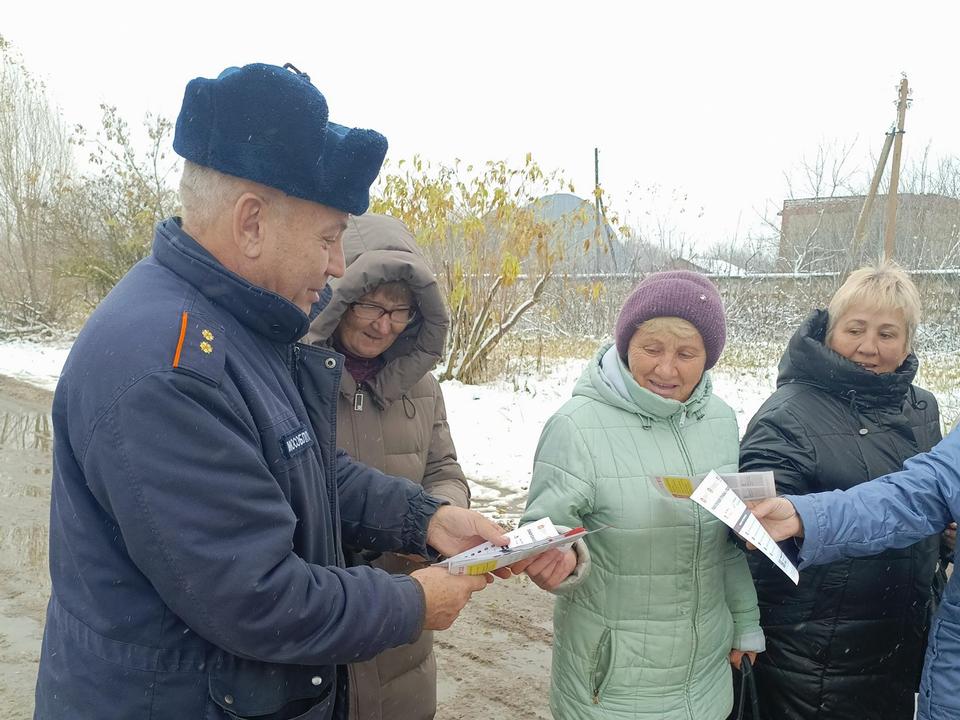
519,355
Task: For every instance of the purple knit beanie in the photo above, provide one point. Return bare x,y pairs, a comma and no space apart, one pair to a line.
677,293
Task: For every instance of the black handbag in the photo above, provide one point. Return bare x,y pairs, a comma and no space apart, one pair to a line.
748,693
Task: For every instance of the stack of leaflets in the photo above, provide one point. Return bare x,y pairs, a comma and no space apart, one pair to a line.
528,540
718,498
747,485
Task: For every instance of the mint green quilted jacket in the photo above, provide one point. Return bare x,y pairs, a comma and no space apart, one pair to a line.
647,632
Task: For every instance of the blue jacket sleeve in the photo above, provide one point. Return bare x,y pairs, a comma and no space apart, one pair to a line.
205,521
382,512
892,511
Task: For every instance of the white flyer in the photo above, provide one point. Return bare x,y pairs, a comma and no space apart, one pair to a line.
747,485
715,496
530,539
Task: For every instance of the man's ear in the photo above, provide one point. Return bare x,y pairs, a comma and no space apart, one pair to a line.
249,217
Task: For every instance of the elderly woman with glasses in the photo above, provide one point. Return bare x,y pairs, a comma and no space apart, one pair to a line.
388,318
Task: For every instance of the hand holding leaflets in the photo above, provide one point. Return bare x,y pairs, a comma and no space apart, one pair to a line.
715,496
525,542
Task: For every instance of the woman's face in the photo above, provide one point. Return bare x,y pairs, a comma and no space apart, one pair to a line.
874,339
667,363
368,338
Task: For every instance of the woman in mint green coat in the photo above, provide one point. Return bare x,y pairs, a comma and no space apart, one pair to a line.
650,616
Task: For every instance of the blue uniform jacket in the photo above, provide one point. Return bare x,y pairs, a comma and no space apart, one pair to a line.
898,510
198,508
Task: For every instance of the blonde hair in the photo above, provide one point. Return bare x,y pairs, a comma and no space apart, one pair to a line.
884,286
677,327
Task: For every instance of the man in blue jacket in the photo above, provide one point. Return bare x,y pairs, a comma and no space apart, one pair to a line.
892,511
199,504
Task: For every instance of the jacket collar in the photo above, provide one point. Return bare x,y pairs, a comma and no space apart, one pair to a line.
809,361
262,311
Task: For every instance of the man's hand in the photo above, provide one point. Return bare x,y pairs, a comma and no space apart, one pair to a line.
778,517
550,568
736,657
446,594
454,529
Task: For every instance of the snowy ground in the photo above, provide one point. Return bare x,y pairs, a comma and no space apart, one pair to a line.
36,363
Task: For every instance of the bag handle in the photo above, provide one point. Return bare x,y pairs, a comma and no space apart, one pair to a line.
748,688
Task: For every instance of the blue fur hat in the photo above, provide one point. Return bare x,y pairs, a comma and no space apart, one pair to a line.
270,125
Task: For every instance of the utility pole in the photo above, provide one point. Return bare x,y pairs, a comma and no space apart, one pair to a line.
871,196
890,230
596,205
601,221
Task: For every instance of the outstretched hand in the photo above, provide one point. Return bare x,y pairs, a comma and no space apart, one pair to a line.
778,517
454,529
445,595
548,569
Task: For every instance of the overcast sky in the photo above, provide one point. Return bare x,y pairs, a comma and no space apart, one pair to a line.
711,101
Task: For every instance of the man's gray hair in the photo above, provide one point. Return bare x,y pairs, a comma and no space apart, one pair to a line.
205,193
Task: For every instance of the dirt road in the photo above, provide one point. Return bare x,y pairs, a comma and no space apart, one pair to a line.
494,663
24,509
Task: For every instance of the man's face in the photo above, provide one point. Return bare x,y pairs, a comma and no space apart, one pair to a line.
302,250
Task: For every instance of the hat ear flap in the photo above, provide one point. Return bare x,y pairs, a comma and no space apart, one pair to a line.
195,128
351,162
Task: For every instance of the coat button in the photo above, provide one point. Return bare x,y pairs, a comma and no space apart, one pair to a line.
863,431
228,699
317,680
330,363
275,328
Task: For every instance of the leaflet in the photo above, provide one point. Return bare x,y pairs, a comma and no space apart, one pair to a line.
715,496
528,540
747,485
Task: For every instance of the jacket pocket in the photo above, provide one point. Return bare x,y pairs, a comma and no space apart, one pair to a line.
942,673
602,665
251,689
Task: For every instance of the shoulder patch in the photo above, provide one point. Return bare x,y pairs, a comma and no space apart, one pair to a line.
201,348
295,442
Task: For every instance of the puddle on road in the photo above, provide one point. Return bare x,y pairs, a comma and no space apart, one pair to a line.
26,431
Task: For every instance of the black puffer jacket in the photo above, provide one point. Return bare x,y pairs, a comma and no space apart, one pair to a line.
849,641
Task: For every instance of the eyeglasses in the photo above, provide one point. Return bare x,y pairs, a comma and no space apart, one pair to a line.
400,316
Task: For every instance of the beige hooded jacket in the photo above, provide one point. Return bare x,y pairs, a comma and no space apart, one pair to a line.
395,422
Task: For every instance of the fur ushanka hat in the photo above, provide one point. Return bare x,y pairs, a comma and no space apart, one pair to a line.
269,124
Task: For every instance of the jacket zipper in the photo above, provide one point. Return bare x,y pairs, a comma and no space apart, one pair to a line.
696,561
602,648
331,469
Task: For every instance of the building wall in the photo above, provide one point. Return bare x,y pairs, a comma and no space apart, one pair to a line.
816,234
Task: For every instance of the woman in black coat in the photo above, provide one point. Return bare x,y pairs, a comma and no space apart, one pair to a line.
847,643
